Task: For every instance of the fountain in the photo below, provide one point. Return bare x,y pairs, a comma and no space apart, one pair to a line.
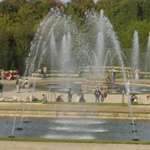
68,52
53,48
147,60
58,36
63,47
135,55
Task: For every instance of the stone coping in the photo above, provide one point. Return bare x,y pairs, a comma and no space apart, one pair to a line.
75,115
75,111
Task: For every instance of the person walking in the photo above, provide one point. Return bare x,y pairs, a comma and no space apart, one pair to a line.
102,95
17,86
70,93
113,75
26,84
1,89
97,94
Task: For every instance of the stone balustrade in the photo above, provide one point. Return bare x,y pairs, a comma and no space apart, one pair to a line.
56,75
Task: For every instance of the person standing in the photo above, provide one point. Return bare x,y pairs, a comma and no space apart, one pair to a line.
20,83
26,84
17,74
102,95
2,75
1,90
17,86
31,87
97,94
79,95
42,74
113,75
70,93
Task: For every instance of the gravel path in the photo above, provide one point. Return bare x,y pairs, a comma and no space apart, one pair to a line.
8,145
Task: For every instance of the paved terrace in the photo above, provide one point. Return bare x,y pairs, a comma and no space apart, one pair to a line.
73,108
10,90
69,110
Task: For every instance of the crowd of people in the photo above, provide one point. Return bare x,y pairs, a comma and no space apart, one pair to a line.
15,75
20,83
80,96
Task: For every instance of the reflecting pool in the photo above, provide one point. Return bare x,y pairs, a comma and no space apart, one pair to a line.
90,129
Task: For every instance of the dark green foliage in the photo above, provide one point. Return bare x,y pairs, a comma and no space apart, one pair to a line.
6,58
19,20
18,23
126,17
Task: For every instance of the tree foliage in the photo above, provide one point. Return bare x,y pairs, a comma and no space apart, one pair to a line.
18,23
19,20
126,17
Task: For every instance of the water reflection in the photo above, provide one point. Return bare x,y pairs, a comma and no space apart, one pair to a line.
77,129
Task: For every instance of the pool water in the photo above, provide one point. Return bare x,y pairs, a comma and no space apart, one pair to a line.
90,129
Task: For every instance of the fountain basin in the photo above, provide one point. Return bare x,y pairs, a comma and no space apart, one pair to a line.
87,129
90,89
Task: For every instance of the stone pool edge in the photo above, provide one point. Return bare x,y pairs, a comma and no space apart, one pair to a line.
77,114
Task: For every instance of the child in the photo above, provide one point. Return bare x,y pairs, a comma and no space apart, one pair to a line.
44,98
59,98
31,87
